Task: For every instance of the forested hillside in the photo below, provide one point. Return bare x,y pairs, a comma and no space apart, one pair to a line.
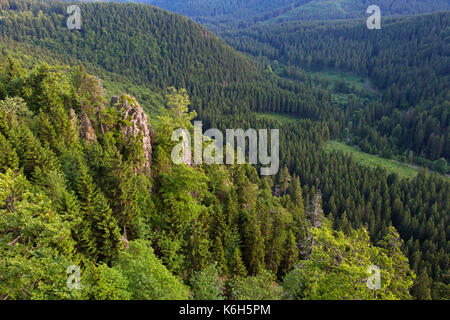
350,9
80,186
143,38
222,14
191,225
407,61
219,14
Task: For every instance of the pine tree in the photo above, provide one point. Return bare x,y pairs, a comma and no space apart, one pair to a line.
128,203
296,193
285,180
33,156
198,252
219,255
237,268
98,220
253,243
11,80
8,156
422,286
291,254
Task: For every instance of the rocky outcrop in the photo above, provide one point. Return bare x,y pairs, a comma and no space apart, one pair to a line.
87,130
135,123
74,122
73,119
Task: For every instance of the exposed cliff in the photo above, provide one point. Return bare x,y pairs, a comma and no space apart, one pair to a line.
135,123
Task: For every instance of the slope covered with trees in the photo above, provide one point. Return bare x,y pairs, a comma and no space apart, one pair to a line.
407,61
183,218
152,44
350,9
75,192
220,14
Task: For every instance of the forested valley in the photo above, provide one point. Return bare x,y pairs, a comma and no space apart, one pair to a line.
76,188
220,14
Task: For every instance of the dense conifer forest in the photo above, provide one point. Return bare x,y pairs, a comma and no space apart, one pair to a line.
408,63
77,188
216,14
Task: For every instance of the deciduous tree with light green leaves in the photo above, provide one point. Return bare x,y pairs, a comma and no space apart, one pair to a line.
262,286
337,268
147,277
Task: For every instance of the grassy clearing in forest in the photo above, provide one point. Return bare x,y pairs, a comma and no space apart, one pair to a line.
277,117
358,81
391,166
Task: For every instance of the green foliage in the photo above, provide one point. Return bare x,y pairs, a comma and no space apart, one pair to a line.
337,268
291,254
11,78
78,197
175,197
237,265
219,14
345,9
136,235
14,109
207,285
39,274
108,284
148,278
422,286
102,228
441,166
36,245
8,156
262,286
391,166
411,112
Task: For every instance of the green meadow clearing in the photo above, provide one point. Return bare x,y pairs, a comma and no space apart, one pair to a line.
276,116
391,166
363,158
332,75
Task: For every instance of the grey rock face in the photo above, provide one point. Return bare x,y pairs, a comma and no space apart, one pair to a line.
87,130
136,122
